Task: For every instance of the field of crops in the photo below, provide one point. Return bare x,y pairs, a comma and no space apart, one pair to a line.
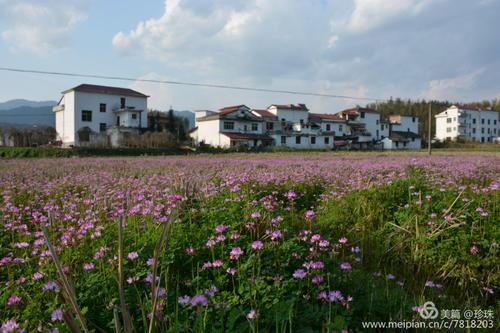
245,243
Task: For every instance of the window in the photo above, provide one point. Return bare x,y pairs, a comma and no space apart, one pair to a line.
382,127
118,121
397,144
269,126
378,121
404,144
302,121
362,114
489,139
488,130
377,134
454,118
327,140
228,125
102,107
494,122
482,121
495,130
340,128
482,130
482,139
448,129
473,131
474,120
313,140
86,115
488,121
328,127
297,140
102,127
255,127
245,128
122,102
448,120
134,116
413,119
283,140
408,129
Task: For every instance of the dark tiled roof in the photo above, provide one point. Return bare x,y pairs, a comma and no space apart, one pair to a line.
229,109
325,116
247,136
403,136
357,110
91,88
295,107
265,113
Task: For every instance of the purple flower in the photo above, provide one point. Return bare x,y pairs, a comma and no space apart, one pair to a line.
299,274
211,291
183,300
235,253
324,243
390,277
429,284
9,326
210,243
199,300
257,245
231,271
317,279
255,215
474,250
38,276
132,279
133,255
343,240
13,300
56,315
276,234
345,266
88,266
355,249
220,228
50,285
291,195
150,262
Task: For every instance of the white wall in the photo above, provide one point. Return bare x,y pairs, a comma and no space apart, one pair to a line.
209,133
91,101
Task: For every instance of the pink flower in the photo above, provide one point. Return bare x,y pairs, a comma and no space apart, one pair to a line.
231,271
343,240
255,215
257,245
235,253
345,266
474,250
190,250
210,243
276,234
133,255
217,263
317,279
253,314
183,300
199,300
38,276
150,262
309,215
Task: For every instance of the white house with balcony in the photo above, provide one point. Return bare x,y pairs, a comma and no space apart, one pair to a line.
233,126
468,123
93,115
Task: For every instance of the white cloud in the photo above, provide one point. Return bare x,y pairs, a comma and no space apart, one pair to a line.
161,95
40,26
369,14
452,88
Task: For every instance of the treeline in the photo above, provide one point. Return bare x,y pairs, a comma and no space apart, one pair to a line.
420,109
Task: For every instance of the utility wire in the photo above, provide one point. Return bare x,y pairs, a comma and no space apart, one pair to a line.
207,85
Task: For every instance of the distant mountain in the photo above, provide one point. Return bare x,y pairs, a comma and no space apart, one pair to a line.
23,113
189,115
16,103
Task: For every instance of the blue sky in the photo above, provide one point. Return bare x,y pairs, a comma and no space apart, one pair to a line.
442,49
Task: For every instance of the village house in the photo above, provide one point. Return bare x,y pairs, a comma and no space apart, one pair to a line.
363,126
94,115
468,123
403,133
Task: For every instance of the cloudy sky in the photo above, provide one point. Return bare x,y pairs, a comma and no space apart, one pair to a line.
440,49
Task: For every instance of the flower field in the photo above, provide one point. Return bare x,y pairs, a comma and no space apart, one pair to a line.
247,243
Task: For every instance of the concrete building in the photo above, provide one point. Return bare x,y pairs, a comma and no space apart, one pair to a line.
92,115
468,123
403,133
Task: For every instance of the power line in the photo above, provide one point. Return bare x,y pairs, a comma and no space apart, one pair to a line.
26,115
207,85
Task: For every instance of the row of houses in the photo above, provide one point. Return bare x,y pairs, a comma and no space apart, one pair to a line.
101,115
294,126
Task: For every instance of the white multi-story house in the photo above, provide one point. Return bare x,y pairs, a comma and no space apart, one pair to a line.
468,123
231,127
403,133
99,115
